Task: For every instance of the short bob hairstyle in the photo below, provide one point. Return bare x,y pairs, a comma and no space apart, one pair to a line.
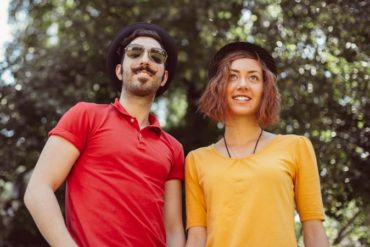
212,103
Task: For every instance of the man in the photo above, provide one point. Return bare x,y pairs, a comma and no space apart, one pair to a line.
123,171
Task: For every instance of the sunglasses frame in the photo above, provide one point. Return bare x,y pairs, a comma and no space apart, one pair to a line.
152,51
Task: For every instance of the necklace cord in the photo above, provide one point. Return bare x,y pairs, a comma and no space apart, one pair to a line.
255,146
227,148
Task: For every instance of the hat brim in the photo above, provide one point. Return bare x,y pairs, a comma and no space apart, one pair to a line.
113,58
264,55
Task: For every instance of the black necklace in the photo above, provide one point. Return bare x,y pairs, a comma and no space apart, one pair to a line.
255,146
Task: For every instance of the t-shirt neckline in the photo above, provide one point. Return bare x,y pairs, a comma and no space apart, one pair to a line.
258,152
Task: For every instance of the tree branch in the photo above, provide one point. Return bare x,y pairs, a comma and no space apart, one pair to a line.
343,231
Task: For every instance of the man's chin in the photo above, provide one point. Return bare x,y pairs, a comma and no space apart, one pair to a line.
141,87
142,92
143,79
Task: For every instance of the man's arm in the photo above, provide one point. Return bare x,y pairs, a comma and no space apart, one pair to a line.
314,234
173,214
52,168
197,237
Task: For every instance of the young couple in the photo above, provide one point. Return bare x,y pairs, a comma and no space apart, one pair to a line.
123,173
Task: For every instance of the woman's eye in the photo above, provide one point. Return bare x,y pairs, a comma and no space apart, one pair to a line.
254,78
232,77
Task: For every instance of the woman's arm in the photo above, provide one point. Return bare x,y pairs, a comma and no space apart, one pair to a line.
197,237
314,234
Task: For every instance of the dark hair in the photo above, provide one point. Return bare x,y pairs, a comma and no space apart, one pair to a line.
121,40
213,100
134,35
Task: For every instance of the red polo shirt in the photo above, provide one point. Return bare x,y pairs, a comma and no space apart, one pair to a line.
115,190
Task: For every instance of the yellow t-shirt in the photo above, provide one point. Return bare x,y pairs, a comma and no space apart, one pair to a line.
251,201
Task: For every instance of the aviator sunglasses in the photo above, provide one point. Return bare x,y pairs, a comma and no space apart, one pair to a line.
157,55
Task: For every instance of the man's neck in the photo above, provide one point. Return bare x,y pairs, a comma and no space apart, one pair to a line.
138,107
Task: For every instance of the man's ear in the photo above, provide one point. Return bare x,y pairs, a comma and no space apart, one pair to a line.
119,71
164,78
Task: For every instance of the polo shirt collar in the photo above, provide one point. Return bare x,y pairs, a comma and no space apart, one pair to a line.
154,123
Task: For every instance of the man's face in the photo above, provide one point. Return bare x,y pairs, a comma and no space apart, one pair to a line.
142,75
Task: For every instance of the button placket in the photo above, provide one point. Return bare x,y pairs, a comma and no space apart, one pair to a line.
141,144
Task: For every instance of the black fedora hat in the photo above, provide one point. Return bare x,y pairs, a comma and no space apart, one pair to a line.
264,55
114,57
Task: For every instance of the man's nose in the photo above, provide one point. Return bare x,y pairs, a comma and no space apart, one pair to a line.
145,57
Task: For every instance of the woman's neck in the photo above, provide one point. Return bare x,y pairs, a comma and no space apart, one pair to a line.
240,131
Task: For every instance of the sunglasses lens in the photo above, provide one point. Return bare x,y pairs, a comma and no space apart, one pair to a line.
134,51
158,55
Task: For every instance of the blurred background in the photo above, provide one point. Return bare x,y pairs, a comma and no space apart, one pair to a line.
54,56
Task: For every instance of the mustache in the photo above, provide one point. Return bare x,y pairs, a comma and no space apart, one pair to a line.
147,68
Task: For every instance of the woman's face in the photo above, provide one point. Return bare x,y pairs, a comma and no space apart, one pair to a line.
244,87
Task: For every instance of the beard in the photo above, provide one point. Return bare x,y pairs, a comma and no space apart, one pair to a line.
141,85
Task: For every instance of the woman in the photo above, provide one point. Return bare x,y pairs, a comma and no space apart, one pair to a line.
244,189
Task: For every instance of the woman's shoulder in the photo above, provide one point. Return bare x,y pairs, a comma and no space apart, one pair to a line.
292,137
294,141
202,151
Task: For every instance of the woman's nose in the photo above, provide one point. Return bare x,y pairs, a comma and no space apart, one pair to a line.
243,83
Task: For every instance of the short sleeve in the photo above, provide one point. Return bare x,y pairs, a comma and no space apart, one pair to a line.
195,202
177,166
74,126
307,183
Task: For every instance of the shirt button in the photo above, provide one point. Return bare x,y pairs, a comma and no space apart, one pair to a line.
132,120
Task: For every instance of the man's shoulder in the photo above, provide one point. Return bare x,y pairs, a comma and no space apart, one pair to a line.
83,105
86,111
88,108
171,139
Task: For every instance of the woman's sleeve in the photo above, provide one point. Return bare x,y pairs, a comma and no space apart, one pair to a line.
307,183
195,202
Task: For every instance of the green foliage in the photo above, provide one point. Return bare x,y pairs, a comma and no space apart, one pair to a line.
58,58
